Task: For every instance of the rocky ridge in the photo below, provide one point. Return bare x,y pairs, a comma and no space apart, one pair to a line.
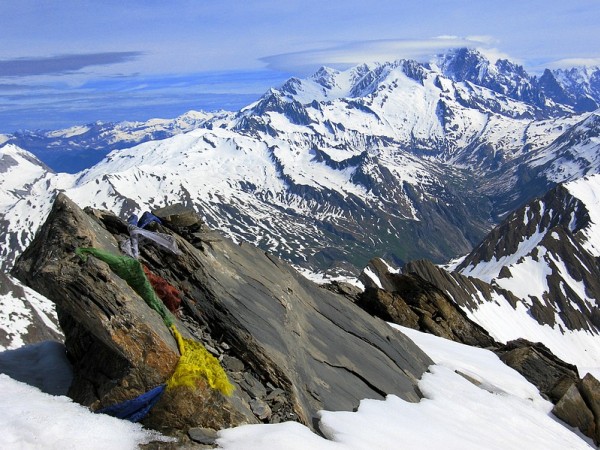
550,239
553,93
409,300
26,317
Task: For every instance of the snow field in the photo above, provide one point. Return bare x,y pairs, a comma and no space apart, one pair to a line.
455,414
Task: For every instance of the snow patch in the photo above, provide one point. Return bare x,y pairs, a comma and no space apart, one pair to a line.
373,277
588,191
489,270
30,419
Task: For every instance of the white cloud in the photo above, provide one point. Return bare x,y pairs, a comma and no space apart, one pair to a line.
353,53
493,54
568,63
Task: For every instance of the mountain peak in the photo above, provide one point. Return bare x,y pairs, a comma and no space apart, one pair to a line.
464,64
325,76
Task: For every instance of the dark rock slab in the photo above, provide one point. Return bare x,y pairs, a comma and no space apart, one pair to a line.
573,410
589,387
580,407
322,350
203,435
389,306
260,408
348,290
253,386
178,216
551,375
233,364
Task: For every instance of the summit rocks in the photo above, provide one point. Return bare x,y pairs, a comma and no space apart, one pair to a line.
290,347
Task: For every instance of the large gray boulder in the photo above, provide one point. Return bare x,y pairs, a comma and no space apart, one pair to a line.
291,347
119,346
321,350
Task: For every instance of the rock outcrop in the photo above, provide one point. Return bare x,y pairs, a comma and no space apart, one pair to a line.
411,301
290,347
468,292
580,407
551,375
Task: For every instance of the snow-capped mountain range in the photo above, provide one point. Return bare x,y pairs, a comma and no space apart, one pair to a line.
76,148
353,158
330,170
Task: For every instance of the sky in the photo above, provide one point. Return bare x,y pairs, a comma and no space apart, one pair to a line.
72,62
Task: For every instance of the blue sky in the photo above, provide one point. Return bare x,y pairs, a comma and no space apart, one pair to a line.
68,62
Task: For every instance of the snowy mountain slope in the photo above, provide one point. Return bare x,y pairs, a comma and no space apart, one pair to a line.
553,235
507,317
554,93
403,102
560,325
579,86
501,76
554,151
573,154
76,148
587,190
543,275
26,317
281,197
27,188
20,170
550,244
417,109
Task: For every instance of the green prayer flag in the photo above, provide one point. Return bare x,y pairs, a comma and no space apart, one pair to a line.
130,270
